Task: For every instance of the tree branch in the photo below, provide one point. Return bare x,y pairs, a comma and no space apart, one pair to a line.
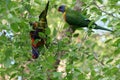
78,5
110,14
96,58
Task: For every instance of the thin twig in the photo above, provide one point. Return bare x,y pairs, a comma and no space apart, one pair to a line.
95,57
110,14
78,5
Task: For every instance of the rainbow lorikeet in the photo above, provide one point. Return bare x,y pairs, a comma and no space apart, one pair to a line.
39,26
77,20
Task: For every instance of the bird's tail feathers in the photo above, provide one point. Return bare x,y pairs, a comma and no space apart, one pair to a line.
46,8
103,28
44,12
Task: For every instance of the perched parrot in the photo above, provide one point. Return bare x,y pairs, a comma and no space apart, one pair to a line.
38,26
77,20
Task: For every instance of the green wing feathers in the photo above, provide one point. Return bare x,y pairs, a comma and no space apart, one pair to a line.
77,20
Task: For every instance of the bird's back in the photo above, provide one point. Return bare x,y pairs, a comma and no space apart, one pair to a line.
75,18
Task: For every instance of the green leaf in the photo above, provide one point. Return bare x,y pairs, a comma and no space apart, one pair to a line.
15,27
41,34
13,75
51,59
3,39
90,57
101,1
110,60
47,31
109,40
81,76
104,20
7,63
57,74
54,32
2,69
113,2
114,70
70,76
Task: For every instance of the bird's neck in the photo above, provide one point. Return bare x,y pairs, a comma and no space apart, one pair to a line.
64,15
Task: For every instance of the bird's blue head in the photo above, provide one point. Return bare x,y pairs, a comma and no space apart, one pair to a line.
61,8
35,53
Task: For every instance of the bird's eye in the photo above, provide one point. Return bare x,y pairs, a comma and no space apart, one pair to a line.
59,8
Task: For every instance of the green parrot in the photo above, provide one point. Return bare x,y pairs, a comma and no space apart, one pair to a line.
77,20
39,26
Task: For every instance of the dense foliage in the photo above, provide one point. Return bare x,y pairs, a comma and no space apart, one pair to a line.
89,56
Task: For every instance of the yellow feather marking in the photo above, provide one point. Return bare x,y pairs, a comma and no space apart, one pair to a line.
64,16
42,22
